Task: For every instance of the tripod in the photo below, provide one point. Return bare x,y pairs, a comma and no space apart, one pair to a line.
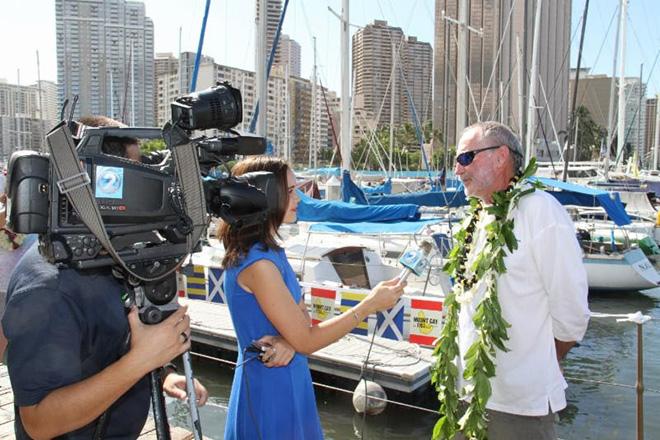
158,401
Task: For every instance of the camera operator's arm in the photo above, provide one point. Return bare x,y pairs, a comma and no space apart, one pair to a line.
74,406
264,280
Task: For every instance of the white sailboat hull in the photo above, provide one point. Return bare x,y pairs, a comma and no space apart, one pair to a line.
628,271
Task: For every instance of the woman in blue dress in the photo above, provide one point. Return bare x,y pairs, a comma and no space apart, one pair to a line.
274,398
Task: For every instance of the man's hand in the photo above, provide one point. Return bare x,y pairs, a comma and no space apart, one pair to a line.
563,348
174,385
157,344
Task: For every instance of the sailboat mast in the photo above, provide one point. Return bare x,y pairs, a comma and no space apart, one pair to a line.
621,120
461,67
521,104
41,107
181,90
133,83
287,135
573,116
313,133
657,131
531,113
345,89
610,116
392,108
260,68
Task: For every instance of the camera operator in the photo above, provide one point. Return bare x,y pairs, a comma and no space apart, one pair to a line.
70,358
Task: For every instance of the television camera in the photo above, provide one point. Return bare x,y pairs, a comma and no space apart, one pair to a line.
93,205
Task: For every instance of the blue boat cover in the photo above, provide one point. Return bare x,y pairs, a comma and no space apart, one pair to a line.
428,198
395,227
315,210
383,188
572,194
350,191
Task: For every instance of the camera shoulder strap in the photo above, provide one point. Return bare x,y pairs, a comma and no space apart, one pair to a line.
74,182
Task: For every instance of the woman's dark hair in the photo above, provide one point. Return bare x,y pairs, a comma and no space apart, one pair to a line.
238,241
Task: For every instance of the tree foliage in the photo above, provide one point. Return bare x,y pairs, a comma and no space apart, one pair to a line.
374,148
590,135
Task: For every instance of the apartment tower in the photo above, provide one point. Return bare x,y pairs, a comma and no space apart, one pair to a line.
386,66
105,55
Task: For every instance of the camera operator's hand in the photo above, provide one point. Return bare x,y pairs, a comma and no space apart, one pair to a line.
156,345
174,385
278,354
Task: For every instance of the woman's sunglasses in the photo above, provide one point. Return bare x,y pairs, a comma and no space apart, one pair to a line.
466,158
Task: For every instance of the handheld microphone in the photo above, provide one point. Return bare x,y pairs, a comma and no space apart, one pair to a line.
415,260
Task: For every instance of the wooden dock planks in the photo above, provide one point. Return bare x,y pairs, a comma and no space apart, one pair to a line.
397,365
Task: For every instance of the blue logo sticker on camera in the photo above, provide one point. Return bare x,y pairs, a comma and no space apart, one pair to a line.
109,182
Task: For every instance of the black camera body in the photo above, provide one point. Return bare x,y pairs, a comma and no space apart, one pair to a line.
133,198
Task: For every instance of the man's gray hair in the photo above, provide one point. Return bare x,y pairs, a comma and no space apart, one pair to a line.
501,134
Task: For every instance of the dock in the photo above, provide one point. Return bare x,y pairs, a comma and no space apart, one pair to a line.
396,365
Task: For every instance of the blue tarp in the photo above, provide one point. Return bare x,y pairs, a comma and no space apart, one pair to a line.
429,198
383,188
397,227
350,191
315,210
572,194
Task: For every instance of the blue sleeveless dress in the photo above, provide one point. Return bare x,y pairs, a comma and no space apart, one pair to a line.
267,403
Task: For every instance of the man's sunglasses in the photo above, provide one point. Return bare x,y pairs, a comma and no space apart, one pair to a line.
466,158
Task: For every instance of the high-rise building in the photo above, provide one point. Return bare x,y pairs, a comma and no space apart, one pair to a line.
105,55
388,66
273,12
594,93
288,49
290,54
495,57
23,120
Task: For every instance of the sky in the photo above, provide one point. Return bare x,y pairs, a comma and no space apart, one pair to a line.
28,26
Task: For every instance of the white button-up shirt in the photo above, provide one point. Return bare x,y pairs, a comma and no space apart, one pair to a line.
543,295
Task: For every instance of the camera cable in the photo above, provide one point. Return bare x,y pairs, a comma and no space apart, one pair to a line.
245,380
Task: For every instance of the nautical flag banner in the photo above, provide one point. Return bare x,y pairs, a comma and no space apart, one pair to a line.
350,298
180,284
216,279
323,304
389,323
425,320
196,283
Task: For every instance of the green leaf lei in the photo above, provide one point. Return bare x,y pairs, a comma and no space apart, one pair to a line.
490,326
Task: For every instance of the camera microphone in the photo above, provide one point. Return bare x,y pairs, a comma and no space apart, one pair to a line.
415,260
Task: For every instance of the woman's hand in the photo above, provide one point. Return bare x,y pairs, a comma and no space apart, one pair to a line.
278,352
385,295
174,385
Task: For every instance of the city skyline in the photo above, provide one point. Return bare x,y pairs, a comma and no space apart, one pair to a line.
230,34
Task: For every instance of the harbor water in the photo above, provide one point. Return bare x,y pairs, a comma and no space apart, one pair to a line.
596,409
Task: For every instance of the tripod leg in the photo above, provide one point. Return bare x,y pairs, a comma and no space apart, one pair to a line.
158,406
192,398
